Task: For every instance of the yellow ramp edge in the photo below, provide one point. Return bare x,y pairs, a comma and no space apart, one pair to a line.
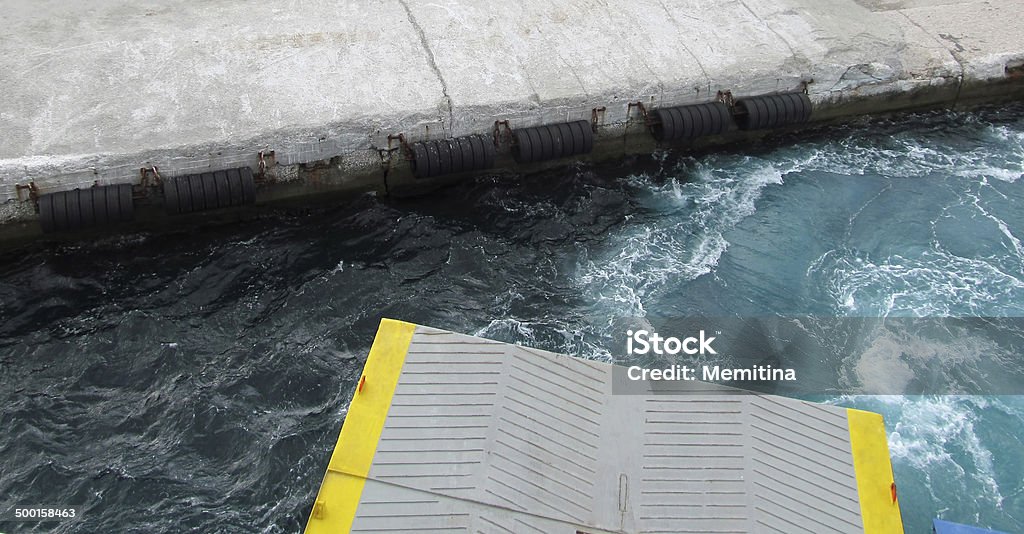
879,507
340,492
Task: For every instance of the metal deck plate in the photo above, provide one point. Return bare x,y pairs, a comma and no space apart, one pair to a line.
482,436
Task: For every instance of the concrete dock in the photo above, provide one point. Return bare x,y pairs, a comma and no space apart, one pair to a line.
306,93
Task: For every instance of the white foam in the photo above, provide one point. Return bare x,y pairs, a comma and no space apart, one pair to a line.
935,283
704,202
937,436
998,152
547,334
936,448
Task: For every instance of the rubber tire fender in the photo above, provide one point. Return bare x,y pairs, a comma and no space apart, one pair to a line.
464,146
113,200
85,207
433,159
444,151
74,208
210,191
535,142
198,196
127,203
665,130
579,136
233,179
588,137
46,213
171,201
557,145
803,106
725,117
486,146
99,207
751,113
687,121
248,185
546,143
522,149
60,211
223,190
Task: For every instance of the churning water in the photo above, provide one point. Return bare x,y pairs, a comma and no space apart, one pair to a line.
197,380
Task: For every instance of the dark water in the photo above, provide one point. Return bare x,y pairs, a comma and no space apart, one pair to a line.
197,381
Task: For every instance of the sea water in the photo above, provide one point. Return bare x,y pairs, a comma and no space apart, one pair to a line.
197,379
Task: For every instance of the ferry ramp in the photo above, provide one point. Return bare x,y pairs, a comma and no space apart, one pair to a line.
451,433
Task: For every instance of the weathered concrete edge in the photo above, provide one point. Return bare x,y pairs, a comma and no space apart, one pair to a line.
357,155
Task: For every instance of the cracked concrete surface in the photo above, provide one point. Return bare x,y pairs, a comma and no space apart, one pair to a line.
431,61
96,90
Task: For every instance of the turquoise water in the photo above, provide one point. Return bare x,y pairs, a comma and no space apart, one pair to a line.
892,219
197,379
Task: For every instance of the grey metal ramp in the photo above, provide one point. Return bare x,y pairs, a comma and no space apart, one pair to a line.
483,437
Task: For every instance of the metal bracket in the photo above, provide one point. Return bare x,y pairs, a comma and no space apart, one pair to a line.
596,115
648,120
33,191
497,133
805,86
403,145
266,159
726,98
638,105
145,173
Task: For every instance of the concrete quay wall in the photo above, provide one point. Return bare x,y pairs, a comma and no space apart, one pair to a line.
95,91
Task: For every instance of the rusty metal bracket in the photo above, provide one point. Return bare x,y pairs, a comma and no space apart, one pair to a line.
33,191
145,173
267,158
648,119
496,133
726,98
596,115
403,145
639,105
